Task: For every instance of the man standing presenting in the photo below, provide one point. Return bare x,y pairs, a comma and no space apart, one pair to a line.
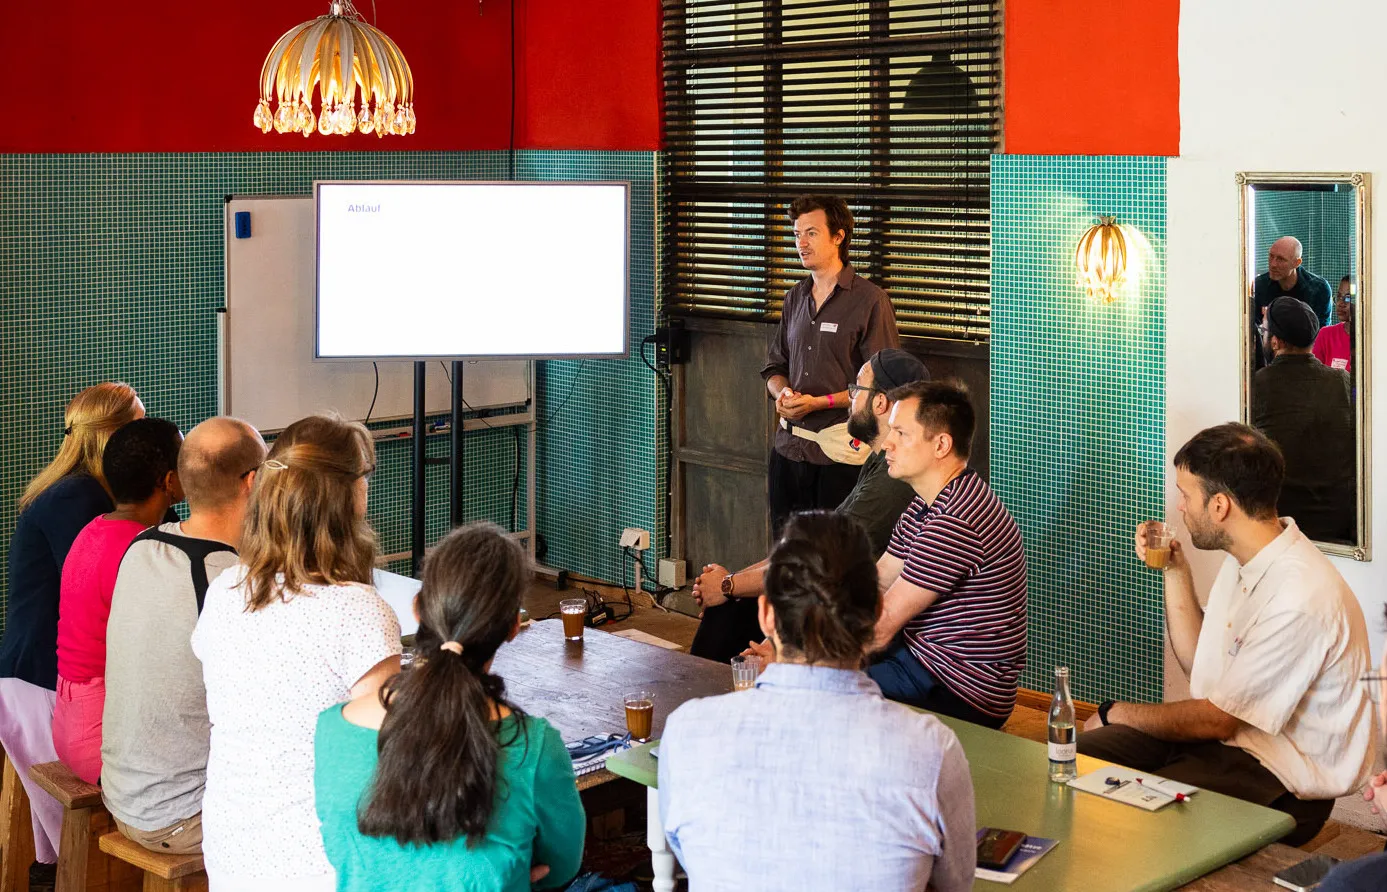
831,323
1278,716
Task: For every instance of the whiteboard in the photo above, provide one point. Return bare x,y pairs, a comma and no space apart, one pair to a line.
266,373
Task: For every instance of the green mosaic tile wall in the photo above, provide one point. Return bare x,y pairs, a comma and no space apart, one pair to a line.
602,462
1078,408
1323,221
111,265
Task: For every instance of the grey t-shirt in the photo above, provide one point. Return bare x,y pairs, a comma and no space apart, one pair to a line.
155,732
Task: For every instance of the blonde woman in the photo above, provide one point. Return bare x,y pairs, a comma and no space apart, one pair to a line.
55,507
292,629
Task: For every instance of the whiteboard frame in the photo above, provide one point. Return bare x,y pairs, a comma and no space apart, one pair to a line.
446,357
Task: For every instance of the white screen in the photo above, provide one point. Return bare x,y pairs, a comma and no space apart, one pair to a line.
422,270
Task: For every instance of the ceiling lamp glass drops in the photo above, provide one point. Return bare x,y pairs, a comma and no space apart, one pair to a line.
338,54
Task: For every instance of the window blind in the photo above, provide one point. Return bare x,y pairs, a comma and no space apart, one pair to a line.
891,104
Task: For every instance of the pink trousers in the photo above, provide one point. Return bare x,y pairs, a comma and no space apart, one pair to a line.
26,733
77,726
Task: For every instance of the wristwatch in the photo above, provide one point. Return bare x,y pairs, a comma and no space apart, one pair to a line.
1103,711
727,586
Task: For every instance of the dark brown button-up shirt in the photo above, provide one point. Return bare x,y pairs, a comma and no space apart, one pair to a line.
821,352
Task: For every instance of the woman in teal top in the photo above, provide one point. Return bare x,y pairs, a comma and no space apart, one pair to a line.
438,783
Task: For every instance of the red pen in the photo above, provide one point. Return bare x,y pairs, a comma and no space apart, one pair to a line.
1178,797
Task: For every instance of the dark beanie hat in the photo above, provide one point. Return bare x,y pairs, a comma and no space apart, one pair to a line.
892,368
1293,321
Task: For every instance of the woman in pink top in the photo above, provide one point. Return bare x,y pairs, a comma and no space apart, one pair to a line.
1334,345
140,465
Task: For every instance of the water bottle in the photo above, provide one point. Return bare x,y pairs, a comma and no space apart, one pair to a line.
1061,730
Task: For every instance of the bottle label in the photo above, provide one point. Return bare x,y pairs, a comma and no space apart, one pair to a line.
1063,752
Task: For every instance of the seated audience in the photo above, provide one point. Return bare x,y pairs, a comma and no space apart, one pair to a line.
1278,715
952,633
155,735
876,502
1306,410
1334,343
294,627
56,505
813,781
141,468
437,781
1367,874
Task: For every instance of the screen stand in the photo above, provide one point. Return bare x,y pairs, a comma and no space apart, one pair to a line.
416,529
457,499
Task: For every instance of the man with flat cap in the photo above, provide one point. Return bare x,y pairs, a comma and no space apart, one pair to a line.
876,502
1304,407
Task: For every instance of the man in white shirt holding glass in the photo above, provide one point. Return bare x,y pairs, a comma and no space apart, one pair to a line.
1278,714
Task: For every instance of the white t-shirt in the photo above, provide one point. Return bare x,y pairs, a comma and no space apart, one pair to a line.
268,675
1282,648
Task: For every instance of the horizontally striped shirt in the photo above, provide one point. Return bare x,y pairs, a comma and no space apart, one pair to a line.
967,550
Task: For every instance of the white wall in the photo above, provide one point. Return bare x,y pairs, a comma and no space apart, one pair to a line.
1268,85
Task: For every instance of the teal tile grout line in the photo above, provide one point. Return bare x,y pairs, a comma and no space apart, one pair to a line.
1078,416
110,266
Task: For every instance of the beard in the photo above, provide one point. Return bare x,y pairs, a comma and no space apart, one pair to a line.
1207,537
864,426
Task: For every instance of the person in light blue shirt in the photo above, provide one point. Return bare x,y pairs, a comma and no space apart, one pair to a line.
812,780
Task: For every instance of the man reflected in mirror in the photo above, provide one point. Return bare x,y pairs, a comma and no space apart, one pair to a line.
1334,344
1285,276
1304,407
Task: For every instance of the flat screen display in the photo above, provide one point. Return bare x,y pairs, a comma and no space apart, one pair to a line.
471,270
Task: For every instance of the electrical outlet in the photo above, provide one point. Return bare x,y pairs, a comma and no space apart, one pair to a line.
672,573
634,537
671,345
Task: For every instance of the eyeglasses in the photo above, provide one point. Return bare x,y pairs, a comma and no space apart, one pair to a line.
855,389
370,469
1374,683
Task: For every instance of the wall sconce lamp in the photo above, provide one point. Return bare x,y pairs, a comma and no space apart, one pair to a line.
1101,260
337,53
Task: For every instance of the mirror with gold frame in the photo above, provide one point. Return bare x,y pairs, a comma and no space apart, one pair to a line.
1305,337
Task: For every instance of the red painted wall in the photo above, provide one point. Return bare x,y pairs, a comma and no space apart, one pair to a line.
175,76
1084,77
588,77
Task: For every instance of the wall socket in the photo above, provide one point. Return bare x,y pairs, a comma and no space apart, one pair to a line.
634,537
672,573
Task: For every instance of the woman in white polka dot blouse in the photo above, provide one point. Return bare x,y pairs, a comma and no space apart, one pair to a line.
292,629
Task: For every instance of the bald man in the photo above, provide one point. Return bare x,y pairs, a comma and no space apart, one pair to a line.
155,732
1285,276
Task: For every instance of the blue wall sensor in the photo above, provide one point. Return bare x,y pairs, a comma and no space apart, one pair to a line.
243,224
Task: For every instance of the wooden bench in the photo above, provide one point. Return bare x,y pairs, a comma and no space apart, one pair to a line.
16,832
81,865
162,873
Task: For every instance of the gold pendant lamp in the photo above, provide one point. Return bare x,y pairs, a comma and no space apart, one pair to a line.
337,53
1101,260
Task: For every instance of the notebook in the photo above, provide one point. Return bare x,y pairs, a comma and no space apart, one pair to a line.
1137,788
1031,851
591,753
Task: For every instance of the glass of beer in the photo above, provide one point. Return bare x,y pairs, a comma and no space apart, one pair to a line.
744,672
573,611
1158,539
640,714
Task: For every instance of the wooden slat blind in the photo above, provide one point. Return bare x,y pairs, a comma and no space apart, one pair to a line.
891,104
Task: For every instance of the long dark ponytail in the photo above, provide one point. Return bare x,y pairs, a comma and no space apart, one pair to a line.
435,779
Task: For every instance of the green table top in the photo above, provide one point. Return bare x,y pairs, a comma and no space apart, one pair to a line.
1104,846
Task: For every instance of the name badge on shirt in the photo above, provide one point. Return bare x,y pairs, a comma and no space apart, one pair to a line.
829,327
1339,364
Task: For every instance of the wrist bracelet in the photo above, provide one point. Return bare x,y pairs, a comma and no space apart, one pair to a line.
830,401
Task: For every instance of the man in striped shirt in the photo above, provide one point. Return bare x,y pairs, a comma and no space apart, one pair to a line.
952,633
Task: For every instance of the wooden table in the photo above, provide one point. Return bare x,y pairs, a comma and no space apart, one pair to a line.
1104,846
578,686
